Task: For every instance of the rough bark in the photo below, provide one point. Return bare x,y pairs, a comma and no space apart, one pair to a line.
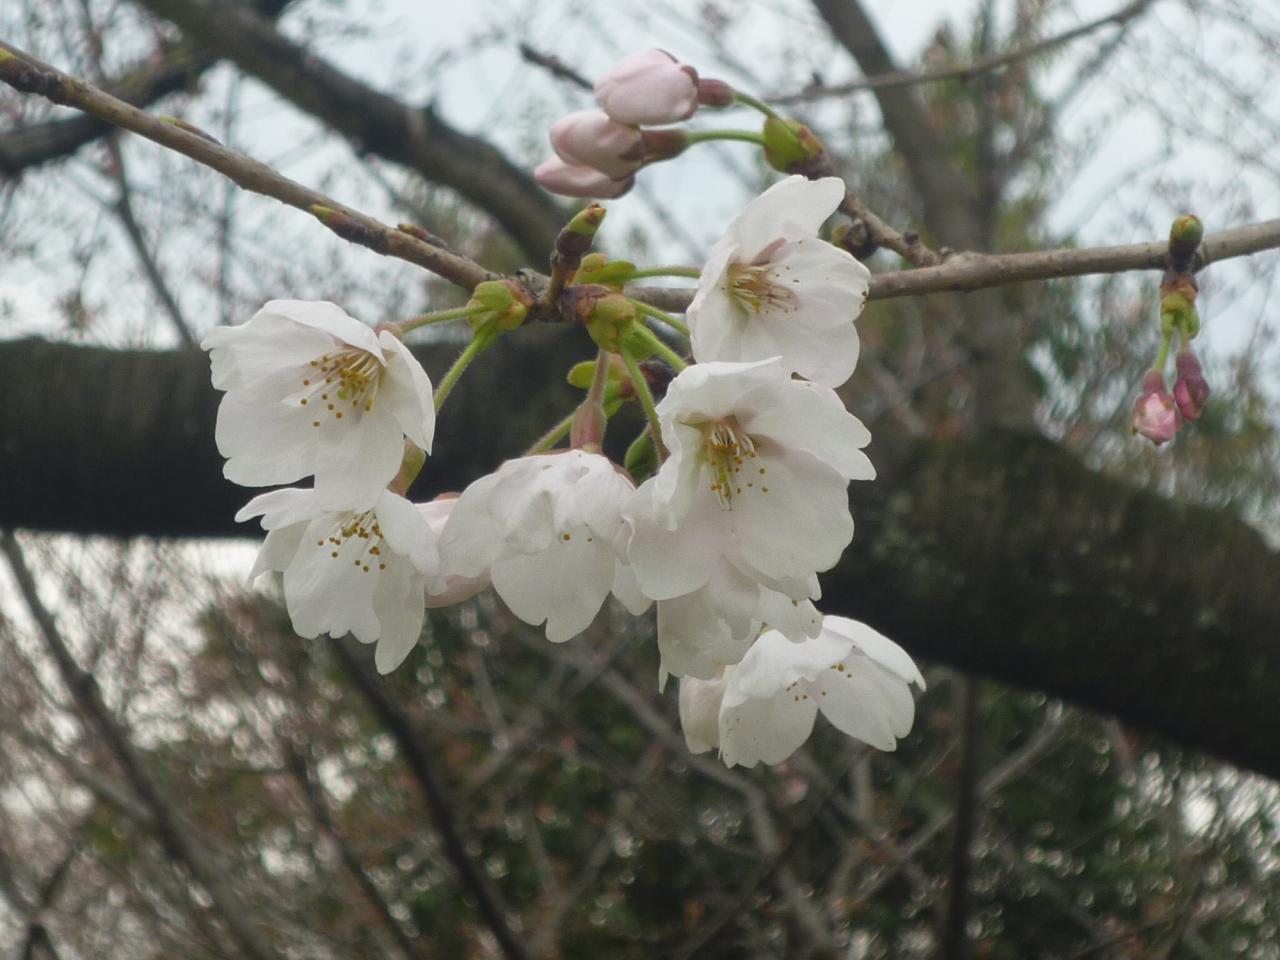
1002,555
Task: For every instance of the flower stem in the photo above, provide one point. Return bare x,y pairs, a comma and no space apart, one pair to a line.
552,436
702,136
691,272
439,316
1163,355
479,343
589,423
661,316
674,360
645,396
749,101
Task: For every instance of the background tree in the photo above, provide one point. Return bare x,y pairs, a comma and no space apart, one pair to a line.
233,791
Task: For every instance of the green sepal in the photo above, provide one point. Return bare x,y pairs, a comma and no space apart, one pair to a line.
641,460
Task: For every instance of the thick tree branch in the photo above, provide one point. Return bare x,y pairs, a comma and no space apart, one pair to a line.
376,122
1003,555
176,66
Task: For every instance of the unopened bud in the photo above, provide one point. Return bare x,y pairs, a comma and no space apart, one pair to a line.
1191,390
1184,237
348,228
790,146
596,268
715,93
505,302
188,127
641,460
1155,415
612,317
649,87
854,237
663,144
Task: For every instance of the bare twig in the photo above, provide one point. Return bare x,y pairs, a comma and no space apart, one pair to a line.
170,830
28,75
422,768
966,71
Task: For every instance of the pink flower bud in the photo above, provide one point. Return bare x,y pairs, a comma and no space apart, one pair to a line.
1191,391
1155,415
649,87
588,138
572,180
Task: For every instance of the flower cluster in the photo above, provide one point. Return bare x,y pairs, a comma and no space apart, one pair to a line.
726,532
597,152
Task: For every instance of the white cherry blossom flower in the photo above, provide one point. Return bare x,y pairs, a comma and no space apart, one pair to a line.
310,390
771,288
756,480
547,528
359,572
765,706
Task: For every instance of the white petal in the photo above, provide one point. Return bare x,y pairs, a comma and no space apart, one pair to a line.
876,646
775,663
671,563
398,602
866,701
471,540
266,358
627,589
795,619
768,729
264,445
406,390
281,508
708,391
357,457
328,594
277,552
703,631
812,418
700,712
791,208
407,532
564,585
329,317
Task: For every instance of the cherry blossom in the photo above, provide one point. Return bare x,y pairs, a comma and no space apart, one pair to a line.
547,528
1191,389
310,390
649,87
756,477
360,572
765,706
772,288
447,588
1155,413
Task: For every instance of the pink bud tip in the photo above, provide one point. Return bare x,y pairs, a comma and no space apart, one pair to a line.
1155,415
1191,390
649,87
589,138
572,180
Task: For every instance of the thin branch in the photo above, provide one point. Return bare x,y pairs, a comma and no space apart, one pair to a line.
443,816
966,71
955,936
28,75
171,832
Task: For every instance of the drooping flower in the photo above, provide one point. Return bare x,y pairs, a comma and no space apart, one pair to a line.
310,390
650,87
1191,390
757,473
590,138
765,705
547,528
772,288
576,180
1155,413
361,572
